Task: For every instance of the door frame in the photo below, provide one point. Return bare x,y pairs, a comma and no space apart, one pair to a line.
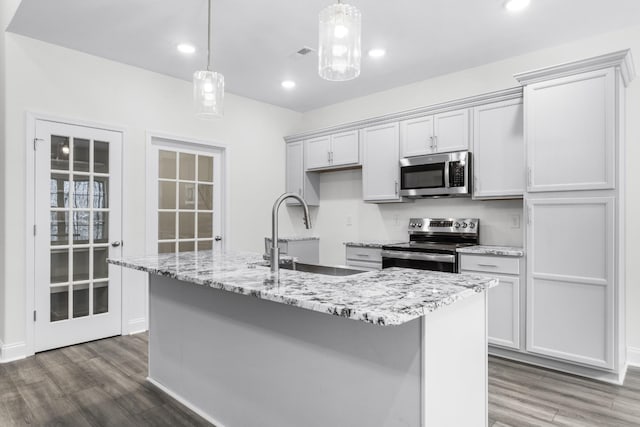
29,265
177,141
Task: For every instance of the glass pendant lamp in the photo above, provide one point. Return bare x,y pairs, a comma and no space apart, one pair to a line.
208,86
339,50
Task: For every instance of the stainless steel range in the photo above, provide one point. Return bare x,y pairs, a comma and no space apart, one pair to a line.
432,244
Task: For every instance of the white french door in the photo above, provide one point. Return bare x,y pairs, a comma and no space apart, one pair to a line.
186,197
78,221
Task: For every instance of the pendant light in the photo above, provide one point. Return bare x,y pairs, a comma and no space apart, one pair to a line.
339,42
208,86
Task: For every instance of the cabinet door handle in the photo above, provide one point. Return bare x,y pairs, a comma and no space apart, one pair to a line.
363,255
331,157
431,142
488,265
328,156
396,188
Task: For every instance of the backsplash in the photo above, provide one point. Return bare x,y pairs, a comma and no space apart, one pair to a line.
343,216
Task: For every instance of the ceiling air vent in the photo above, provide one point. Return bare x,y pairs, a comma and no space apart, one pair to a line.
304,51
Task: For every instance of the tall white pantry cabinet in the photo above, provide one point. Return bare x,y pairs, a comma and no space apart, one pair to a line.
574,206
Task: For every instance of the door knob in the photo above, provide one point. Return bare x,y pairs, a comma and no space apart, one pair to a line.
116,243
217,238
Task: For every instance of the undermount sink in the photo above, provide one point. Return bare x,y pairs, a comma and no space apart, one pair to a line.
329,270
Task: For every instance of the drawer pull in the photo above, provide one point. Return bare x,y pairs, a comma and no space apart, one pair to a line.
488,265
363,255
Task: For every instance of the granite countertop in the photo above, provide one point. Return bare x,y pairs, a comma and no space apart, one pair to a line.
391,296
493,250
294,238
372,243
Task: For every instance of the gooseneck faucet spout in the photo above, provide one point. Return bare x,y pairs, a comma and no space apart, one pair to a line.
275,251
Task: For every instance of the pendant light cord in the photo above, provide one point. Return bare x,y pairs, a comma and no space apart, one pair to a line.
209,37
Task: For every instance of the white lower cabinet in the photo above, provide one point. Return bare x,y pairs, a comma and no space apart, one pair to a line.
365,258
504,301
305,250
570,279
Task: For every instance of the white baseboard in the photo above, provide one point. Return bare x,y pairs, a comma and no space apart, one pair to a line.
13,351
186,403
633,356
136,326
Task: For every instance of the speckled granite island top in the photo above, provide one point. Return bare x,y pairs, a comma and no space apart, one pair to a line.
492,250
388,297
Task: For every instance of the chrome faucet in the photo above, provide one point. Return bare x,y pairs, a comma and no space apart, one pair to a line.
275,251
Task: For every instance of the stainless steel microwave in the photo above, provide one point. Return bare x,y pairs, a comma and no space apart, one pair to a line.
436,175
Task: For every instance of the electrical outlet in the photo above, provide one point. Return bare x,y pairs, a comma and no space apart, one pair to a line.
515,221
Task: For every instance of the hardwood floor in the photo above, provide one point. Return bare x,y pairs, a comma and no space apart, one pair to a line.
102,383
522,395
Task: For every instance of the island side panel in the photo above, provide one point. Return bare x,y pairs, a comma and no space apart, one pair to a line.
455,364
244,361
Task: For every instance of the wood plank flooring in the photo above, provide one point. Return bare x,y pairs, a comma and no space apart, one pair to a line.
102,383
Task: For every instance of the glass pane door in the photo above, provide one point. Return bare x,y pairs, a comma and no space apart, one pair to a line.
78,223
79,212
186,210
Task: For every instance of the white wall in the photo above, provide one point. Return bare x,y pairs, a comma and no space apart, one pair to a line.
340,190
50,79
7,10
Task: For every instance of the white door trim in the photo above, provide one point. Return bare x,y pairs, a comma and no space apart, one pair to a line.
29,267
177,141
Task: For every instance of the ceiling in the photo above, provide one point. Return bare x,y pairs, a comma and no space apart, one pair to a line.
254,41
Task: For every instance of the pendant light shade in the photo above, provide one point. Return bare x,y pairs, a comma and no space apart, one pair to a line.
339,50
208,94
208,86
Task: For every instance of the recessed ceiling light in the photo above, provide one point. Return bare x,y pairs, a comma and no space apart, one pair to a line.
186,48
516,5
288,84
377,53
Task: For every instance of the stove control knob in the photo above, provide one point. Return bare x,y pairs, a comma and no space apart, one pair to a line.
464,225
472,225
411,224
456,225
420,224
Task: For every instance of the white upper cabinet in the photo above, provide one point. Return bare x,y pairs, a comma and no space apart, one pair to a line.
440,133
298,181
570,128
451,131
381,163
416,136
498,150
341,149
317,152
345,149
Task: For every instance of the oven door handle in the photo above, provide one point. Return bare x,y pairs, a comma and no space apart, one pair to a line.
451,259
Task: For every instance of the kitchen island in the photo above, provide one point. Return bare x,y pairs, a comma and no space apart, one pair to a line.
242,347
